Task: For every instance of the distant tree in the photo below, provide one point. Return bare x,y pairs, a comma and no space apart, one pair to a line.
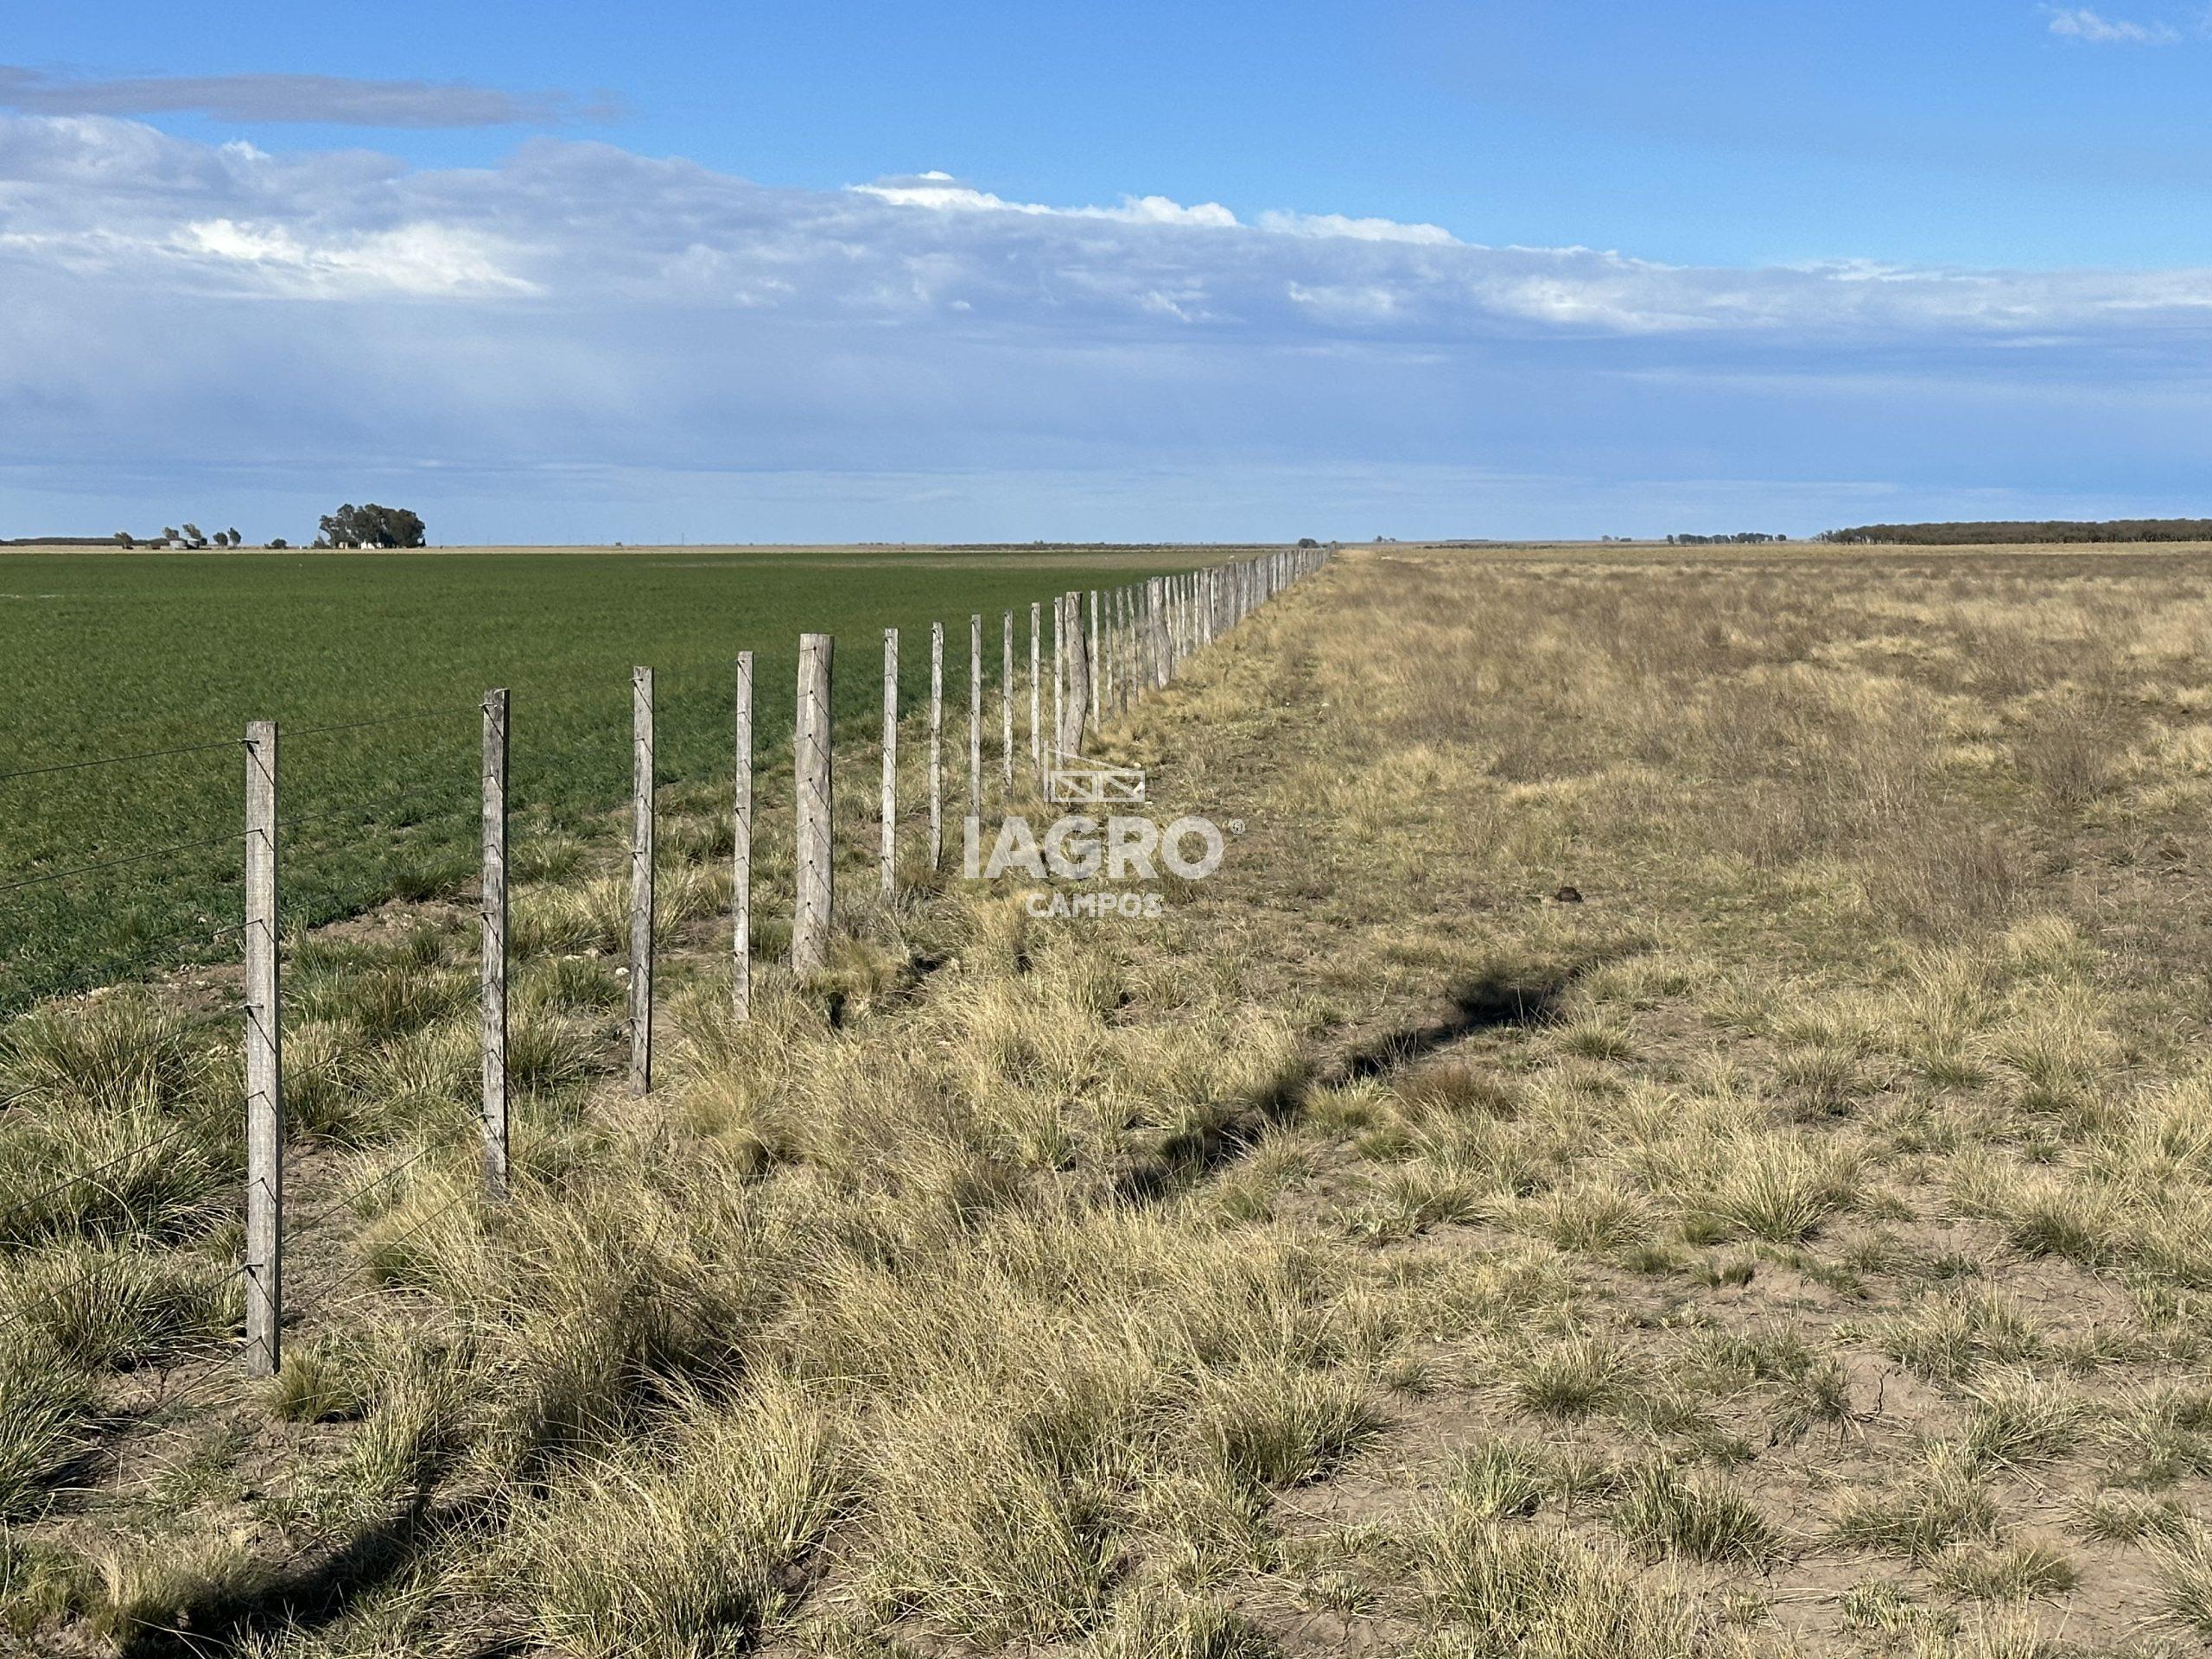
235,538
193,537
168,532
280,542
1307,541
371,525
123,538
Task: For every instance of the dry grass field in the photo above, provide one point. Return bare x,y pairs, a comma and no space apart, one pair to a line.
1683,1126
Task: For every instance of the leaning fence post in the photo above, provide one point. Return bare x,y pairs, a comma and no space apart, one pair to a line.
1005,697
740,933
937,745
495,943
264,1063
641,879
888,856
810,760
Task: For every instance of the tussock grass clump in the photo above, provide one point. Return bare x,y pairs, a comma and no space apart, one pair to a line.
100,1307
1952,1333
1281,1427
1504,1591
321,1384
2012,1574
1665,1512
2017,1419
1781,1189
1573,1376
1161,1623
1942,1503
2183,1566
691,1540
120,1052
104,1173
43,1404
152,1585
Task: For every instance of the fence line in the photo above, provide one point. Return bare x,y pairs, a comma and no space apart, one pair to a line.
1110,648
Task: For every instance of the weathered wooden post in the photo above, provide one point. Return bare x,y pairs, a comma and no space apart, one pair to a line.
494,950
937,745
1036,727
641,879
1097,705
1163,657
1054,746
888,858
1076,710
976,719
264,1063
1006,698
811,789
1124,652
741,981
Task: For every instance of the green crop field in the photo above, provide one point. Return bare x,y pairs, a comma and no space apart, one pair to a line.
375,664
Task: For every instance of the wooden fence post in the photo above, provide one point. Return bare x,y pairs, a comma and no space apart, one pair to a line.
1055,747
641,879
976,719
1163,660
1078,657
1124,652
1036,730
888,856
1006,699
495,943
811,786
1098,665
937,745
740,937
264,1063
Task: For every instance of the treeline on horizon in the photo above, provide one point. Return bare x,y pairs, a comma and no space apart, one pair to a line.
1971,532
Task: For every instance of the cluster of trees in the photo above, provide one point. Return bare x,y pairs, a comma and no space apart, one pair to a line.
1970,533
1741,539
371,525
190,535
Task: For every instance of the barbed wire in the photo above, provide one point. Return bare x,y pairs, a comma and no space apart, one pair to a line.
74,871
92,1272
323,1292
315,1218
44,1192
51,767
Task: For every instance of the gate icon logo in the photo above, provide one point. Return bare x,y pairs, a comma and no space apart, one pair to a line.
1070,780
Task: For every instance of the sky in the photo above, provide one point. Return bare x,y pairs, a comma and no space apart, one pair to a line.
567,273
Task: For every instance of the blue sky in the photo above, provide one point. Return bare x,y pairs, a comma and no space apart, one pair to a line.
559,272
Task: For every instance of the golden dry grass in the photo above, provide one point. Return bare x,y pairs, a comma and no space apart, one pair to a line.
1796,1241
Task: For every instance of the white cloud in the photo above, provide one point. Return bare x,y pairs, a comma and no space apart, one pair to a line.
942,192
581,307
419,258
1360,230
2080,24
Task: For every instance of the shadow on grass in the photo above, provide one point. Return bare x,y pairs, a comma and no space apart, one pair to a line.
305,1596
1491,1003
1496,1003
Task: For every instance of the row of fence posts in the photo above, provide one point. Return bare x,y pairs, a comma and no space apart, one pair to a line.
1133,641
